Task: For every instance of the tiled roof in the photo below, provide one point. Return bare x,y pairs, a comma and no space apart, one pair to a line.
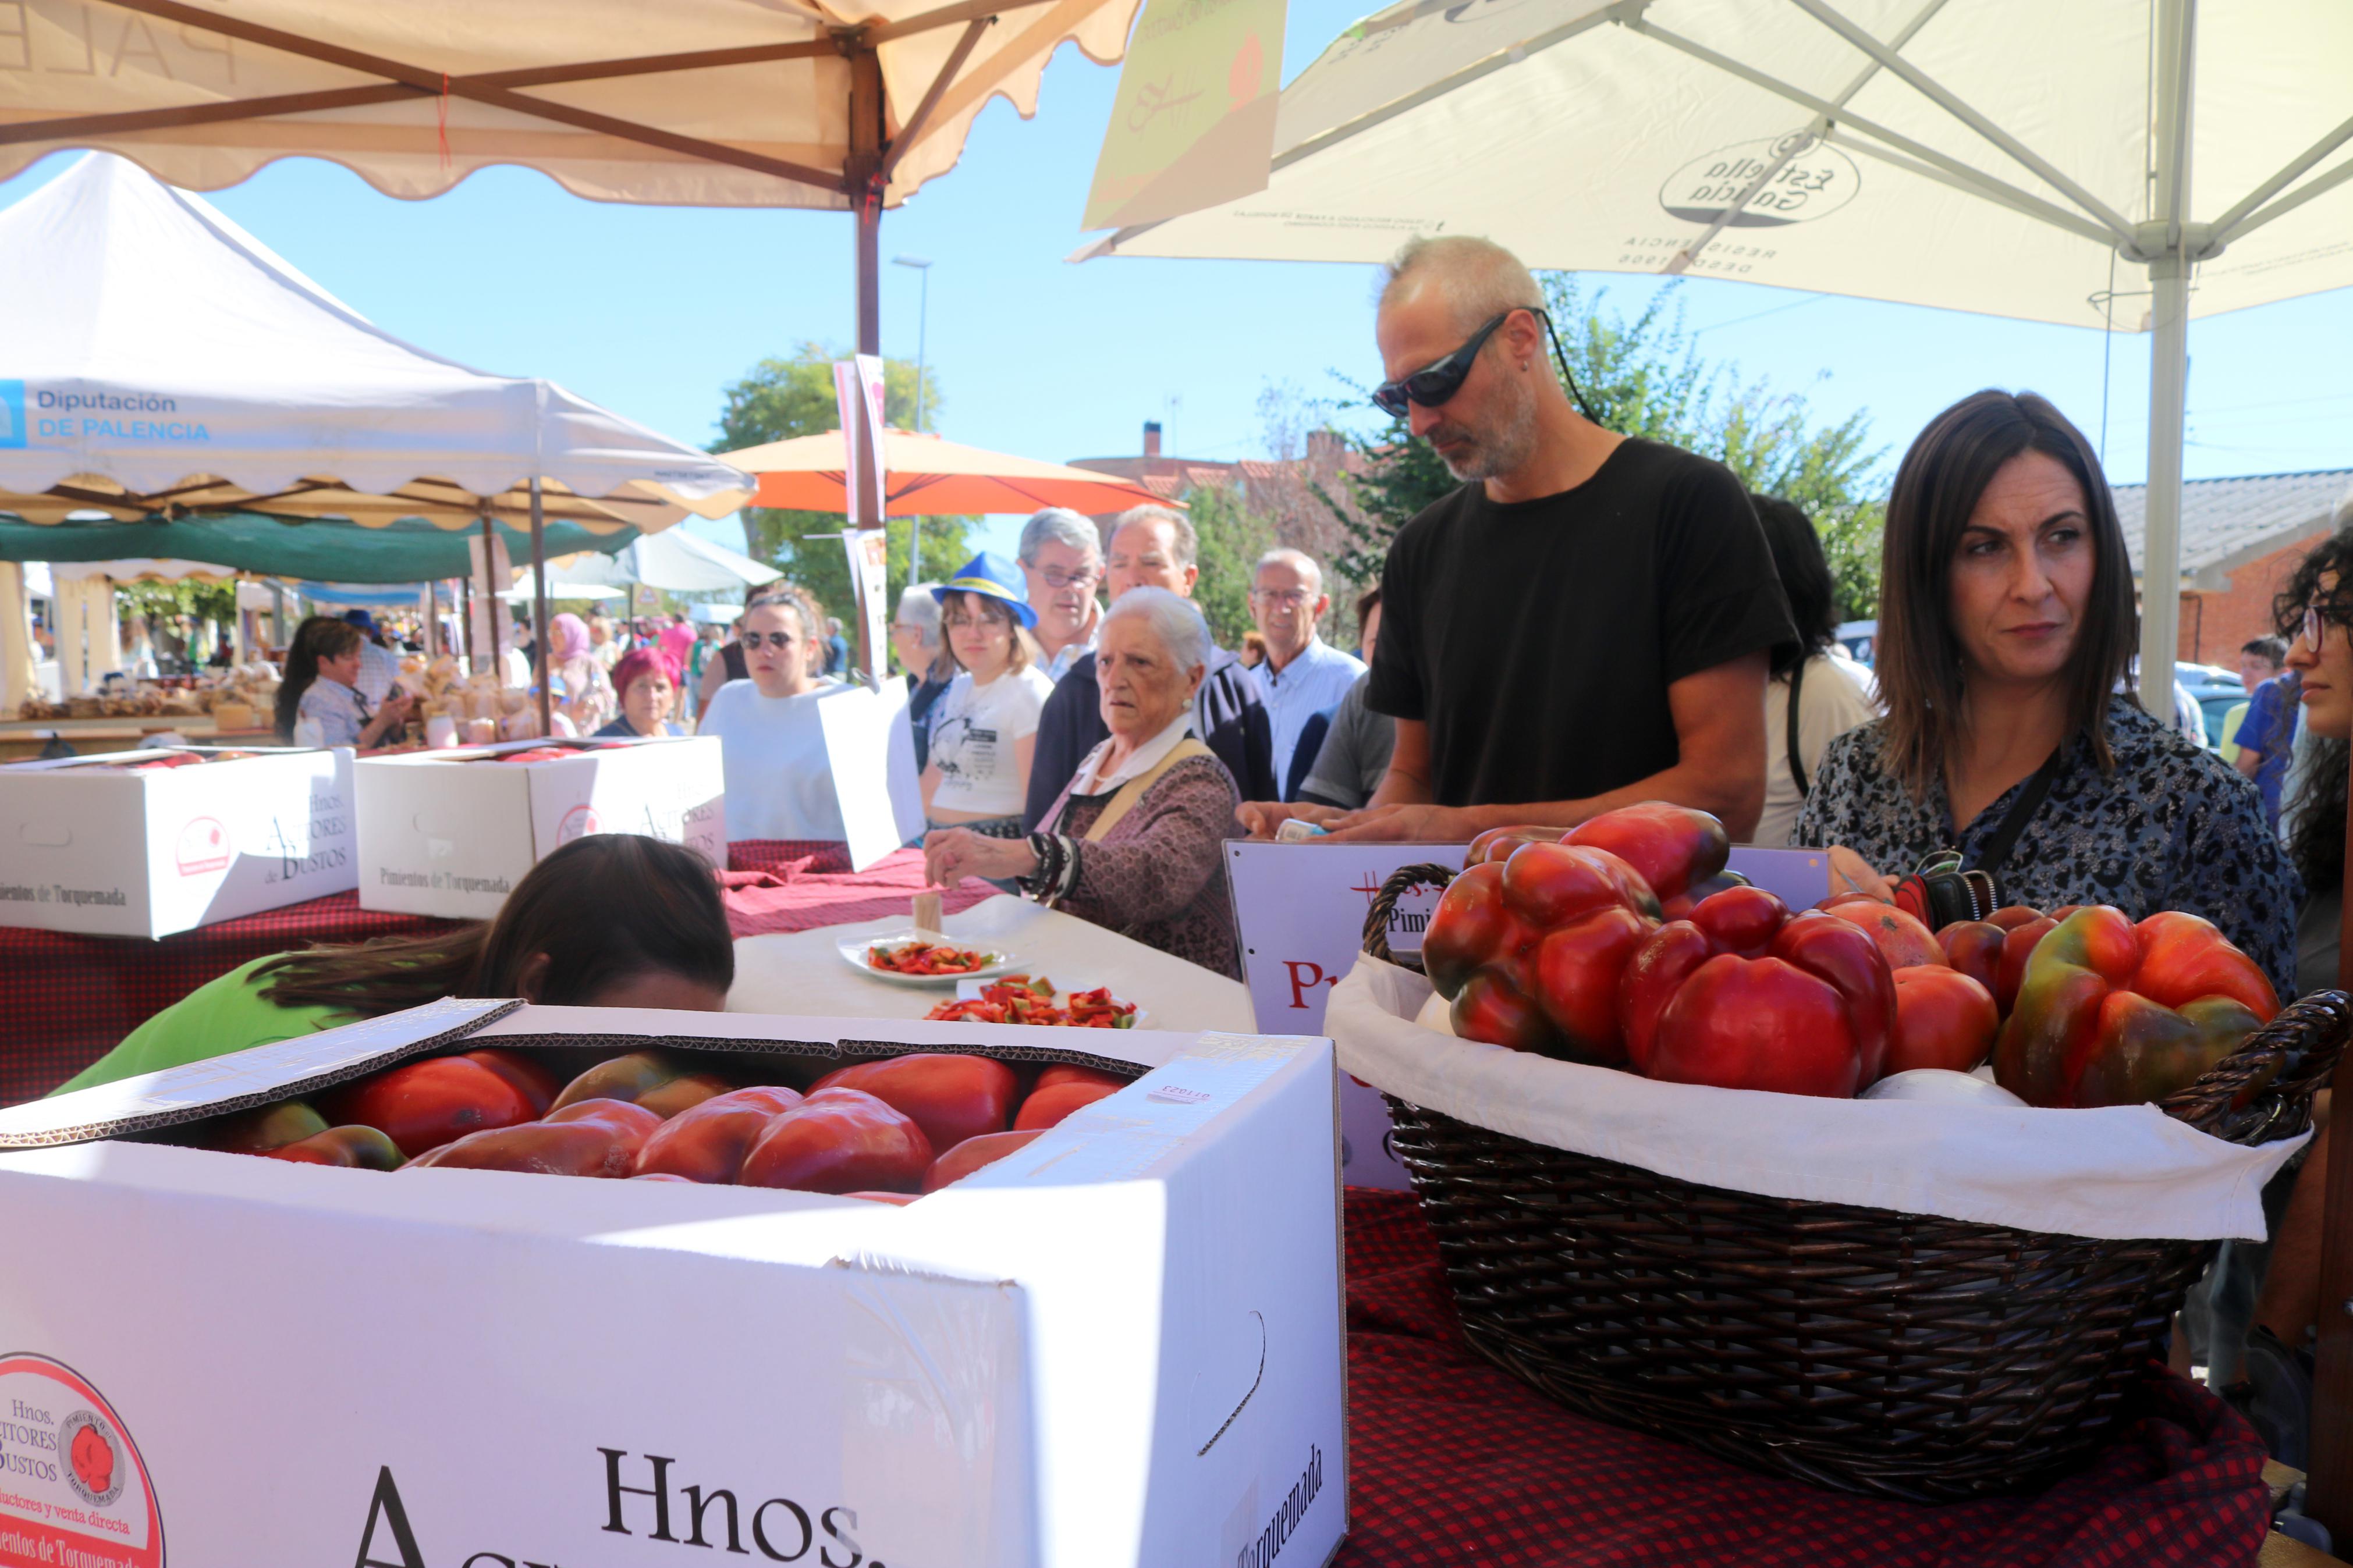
2226,523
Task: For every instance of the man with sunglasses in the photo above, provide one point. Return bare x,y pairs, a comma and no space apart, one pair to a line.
1586,622
772,746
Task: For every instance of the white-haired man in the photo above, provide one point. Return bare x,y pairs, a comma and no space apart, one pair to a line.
1302,674
1152,547
1061,556
1586,622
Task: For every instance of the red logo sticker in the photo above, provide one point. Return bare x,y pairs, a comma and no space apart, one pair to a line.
578,823
72,1485
204,847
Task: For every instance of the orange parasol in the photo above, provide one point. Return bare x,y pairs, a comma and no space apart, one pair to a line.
924,476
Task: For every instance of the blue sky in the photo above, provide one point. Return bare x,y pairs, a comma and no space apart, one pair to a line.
652,310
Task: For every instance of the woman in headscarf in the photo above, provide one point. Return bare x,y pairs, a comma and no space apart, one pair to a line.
581,689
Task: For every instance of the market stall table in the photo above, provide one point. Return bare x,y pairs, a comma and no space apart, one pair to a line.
1451,1459
66,1000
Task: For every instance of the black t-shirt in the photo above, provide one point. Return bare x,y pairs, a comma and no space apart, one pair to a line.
1538,640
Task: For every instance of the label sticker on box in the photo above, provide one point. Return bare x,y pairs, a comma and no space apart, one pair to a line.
72,1485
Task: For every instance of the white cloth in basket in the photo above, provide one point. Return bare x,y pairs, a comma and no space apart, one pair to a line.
2118,1174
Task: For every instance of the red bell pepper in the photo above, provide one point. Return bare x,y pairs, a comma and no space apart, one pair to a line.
2111,1013
1529,950
1810,1009
1671,848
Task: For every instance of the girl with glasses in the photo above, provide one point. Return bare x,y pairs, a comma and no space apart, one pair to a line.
984,728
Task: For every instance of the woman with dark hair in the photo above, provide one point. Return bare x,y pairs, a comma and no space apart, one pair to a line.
658,938
2006,623
1815,693
322,668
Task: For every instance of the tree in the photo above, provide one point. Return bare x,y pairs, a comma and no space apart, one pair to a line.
780,398
1645,376
1232,537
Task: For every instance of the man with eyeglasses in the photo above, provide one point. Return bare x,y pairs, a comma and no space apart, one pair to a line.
1152,547
1586,622
1302,674
1061,556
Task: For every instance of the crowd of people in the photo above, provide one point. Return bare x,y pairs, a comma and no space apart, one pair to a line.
1590,620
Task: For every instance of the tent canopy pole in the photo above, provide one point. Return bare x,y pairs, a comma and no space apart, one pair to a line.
539,608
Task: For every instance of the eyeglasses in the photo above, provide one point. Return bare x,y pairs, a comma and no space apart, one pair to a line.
2314,625
778,641
1432,384
1291,597
1084,577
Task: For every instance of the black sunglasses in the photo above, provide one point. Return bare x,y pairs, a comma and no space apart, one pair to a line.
774,639
1433,385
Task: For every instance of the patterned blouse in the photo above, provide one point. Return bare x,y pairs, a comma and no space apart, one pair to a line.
2172,828
1159,875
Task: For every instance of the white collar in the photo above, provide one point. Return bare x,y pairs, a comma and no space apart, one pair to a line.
1143,760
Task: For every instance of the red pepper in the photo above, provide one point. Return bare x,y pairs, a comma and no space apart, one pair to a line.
1529,950
2111,1013
1673,849
1811,1011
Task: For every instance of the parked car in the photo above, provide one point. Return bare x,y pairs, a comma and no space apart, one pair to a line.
2216,690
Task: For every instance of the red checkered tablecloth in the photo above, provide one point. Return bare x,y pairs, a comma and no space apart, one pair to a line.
1452,1460
65,999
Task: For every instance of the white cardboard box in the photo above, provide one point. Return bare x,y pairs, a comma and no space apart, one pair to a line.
445,833
1121,1346
90,848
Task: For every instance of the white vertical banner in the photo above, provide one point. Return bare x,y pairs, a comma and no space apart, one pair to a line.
858,391
868,553
493,624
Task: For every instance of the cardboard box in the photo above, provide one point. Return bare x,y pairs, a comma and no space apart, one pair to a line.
452,832
1121,1345
89,846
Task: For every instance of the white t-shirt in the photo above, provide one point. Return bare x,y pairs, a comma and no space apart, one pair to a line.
976,730
772,748
1836,695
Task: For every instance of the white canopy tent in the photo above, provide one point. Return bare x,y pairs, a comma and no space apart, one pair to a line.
2013,157
161,362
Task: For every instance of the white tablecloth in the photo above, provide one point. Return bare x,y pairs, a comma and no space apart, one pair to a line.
801,973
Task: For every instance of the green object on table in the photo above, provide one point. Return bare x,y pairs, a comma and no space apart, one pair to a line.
229,1014
407,550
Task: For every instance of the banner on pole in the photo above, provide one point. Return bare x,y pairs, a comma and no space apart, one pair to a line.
1193,123
493,626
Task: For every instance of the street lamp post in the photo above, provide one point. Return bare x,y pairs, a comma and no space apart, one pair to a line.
922,267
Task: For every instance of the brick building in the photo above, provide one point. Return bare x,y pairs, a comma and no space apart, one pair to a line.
1282,491
2240,540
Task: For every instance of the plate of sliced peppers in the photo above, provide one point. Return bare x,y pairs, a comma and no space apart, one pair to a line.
1028,999
921,958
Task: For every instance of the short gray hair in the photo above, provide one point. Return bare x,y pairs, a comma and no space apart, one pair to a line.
1298,561
1176,622
1188,543
1479,278
918,608
1063,526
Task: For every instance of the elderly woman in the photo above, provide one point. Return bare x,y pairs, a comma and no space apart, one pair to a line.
2005,625
1133,843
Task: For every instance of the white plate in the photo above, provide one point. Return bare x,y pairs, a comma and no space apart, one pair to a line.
853,953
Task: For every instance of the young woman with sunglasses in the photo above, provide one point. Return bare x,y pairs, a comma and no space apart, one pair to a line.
779,781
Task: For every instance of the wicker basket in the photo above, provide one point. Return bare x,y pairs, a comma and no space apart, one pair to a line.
1897,1354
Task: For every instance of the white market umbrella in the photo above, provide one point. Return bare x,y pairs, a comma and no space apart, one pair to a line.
527,590
676,562
2125,163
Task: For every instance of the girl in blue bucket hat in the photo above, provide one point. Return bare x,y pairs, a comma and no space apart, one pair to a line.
985,725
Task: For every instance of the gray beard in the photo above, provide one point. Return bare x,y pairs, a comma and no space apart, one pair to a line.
1500,450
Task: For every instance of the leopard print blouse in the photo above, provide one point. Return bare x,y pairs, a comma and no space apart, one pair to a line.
2172,828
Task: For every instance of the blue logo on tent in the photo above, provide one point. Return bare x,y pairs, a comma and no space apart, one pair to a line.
12,413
